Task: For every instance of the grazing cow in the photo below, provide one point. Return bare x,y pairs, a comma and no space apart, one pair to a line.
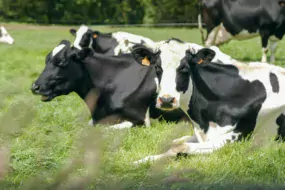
109,44
227,103
5,36
121,84
242,19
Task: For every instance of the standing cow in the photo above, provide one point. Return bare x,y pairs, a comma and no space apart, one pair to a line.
5,36
242,19
226,102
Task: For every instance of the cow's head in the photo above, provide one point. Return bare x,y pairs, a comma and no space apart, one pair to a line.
62,73
171,53
83,36
5,36
183,72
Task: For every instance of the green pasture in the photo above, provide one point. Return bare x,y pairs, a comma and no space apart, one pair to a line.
48,142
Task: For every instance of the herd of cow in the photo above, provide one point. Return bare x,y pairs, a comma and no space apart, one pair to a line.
126,79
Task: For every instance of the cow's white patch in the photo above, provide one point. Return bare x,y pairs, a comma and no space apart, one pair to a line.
157,84
212,37
264,55
273,46
5,36
79,34
132,39
57,49
123,125
147,118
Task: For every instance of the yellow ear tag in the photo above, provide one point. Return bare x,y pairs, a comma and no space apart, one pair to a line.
201,61
145,61
94,35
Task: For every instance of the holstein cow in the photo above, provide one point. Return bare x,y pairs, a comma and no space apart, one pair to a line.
242,19
107,43
172,51
5,36
122,85
227,103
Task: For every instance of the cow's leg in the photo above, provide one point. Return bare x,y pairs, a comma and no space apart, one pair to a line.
147,119
212,37
273,46
187,148
123,125
264,42
191,148
192,139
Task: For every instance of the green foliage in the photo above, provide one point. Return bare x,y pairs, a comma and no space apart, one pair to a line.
98,11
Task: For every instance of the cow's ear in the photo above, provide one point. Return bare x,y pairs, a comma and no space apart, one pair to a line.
145,56
65,42
95,34
282,3
72,31
204,55
83,53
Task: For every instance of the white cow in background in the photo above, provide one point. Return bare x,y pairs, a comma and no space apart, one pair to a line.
5,36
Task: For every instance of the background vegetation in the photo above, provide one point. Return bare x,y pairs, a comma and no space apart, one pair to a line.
99,11
50,146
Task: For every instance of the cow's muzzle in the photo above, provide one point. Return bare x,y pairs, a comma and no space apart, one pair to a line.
36,90
166,102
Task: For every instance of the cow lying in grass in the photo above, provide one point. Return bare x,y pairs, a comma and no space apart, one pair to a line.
5,36
123,85
107,43
227,103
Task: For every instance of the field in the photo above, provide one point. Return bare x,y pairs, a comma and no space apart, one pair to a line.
48,141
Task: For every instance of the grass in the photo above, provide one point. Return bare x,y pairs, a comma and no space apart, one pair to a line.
48,142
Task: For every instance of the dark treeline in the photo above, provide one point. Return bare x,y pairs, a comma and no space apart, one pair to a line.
99,11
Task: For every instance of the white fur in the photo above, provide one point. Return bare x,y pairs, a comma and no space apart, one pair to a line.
5,38
57,49
132,39
79,33
123,125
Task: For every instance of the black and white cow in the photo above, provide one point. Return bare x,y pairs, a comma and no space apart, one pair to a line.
227,103
242,19
121,84
5,36
107,43
172,51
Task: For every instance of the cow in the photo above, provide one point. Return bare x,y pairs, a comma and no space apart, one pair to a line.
122,85
107,43
172,51
227,103
243,19
5,36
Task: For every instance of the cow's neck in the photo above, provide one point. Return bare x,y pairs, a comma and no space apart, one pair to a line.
85,85
105,44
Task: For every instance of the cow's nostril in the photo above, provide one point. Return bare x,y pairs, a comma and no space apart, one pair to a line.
171,99
35,87
167,100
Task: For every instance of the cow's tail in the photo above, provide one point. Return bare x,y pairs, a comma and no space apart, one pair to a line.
200,23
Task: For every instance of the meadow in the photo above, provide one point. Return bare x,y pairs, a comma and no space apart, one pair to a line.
48,142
